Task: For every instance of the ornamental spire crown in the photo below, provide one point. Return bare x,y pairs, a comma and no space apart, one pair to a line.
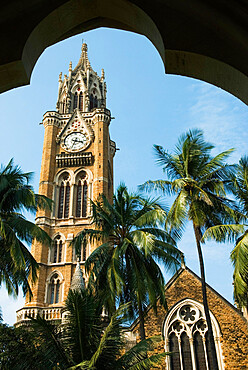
82,89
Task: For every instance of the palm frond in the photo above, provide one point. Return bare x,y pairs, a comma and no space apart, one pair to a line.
161,186
223,233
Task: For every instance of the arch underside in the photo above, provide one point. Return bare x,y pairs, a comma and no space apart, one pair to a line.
203,39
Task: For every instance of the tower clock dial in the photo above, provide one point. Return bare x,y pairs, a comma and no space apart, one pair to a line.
75,141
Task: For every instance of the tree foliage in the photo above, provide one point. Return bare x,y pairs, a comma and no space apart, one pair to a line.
125,267
16,197
85,341
199,183
237,233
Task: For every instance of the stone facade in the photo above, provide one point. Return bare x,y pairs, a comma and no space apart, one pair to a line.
77,166
233,335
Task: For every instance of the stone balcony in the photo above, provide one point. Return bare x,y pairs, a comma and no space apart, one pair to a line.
24,314
74,159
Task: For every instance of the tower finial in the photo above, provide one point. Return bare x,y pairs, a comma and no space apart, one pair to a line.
84,47
60,77
83,62
70,67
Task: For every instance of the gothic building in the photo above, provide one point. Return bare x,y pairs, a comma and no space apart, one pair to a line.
77,166
184,330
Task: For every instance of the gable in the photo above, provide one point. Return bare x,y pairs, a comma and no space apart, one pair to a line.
76,123
186,285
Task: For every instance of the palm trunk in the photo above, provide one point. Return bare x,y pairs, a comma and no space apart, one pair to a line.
141,320
205,302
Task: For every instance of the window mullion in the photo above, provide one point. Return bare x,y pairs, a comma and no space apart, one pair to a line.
205,351
191,343
180,353
64,200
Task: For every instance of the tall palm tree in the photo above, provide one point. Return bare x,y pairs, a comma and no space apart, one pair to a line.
83,341
199,183
125,267
17,265
237,233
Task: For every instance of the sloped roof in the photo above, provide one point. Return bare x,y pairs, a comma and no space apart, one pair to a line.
173,280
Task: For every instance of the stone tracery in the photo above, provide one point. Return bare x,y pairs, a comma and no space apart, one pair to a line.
186,335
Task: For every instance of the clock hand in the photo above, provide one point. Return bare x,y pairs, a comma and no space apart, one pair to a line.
74,142
78,141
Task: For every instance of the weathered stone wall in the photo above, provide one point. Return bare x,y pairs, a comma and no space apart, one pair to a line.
234,327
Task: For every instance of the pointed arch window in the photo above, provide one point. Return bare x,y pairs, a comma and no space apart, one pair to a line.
91,101
56,254
63,106
75,101
186,335
80,103
83,253
54,289
82,196
64,198
95,102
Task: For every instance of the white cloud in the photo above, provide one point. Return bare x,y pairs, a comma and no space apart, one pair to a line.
223,118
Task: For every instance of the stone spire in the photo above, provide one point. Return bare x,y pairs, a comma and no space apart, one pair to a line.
83,62
77,282
82,88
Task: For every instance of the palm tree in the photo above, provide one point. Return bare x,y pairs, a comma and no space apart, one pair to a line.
237,233
83,341
199,183
125,267
17,265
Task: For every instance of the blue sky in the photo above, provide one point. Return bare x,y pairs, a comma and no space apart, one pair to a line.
149,107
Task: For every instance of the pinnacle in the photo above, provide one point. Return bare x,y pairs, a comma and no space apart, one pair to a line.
77,282
84,47
83,62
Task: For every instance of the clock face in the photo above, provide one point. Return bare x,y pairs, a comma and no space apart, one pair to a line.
75,141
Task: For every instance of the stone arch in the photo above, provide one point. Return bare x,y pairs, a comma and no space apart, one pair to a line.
55,277
59,234
63,193
77,86
59,176
204,40
85,251
87,171
187,318
51,253
83,192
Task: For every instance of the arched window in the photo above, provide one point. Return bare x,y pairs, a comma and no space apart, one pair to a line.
186,335
91,101
95,102
64,197
84,251
80,103
54,289
173,345
83,254
75,101
56,253
82,196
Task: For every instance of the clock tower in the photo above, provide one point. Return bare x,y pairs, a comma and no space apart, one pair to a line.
77,166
